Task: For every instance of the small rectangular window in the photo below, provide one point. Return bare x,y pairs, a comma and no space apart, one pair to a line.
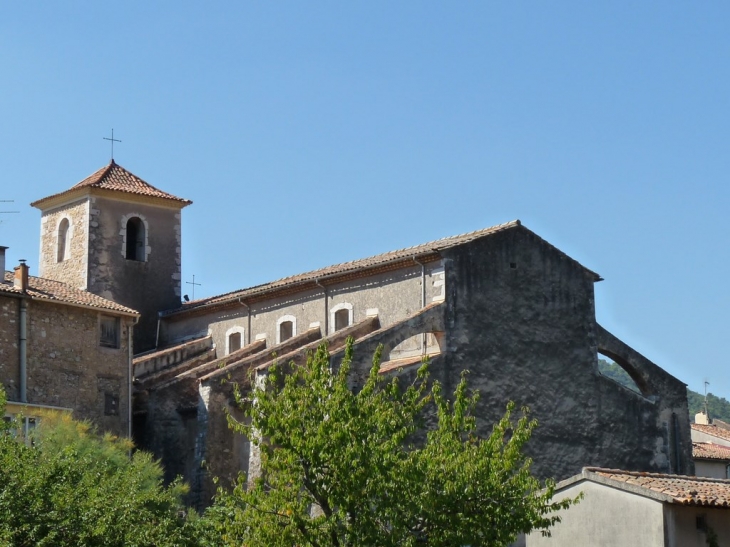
234,342
286,330
342,319
109,332
111,404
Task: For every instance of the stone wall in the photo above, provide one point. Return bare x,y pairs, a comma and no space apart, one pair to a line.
66,367
9,368
147,286
73,270
391,296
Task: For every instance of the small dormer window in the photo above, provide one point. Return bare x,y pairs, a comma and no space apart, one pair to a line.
62,244
135,240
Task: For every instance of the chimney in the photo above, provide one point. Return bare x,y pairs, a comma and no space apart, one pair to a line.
21,276
2,263
701,418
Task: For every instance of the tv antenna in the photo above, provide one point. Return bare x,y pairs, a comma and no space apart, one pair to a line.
707,411
7,212
194,284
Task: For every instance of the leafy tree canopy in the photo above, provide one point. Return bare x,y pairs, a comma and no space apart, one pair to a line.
342,468
67,486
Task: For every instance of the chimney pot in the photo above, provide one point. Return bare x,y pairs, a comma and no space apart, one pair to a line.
21,276
2,263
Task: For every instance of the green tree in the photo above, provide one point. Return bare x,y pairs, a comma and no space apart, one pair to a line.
72,487
343,469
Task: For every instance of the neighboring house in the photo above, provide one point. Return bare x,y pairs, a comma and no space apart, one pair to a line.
625,508
65,349
710,433
711,460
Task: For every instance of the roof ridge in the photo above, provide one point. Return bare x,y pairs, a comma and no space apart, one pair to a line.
113,177
385,258
655,475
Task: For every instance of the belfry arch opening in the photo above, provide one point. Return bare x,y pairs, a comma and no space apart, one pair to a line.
62,244
135,240
619,370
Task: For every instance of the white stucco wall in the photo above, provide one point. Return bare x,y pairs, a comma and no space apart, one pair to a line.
712,469
682,528
606,517
702,437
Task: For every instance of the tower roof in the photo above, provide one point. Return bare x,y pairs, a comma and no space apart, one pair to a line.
116,178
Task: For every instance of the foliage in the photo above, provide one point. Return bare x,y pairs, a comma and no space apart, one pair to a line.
616,373
343,469
719,407
67,486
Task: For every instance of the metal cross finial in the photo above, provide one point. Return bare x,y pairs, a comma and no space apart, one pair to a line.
194,284
113,141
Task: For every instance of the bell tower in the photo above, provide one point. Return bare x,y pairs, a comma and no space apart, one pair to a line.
115,235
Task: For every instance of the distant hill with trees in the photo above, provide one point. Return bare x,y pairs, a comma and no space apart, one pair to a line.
719,407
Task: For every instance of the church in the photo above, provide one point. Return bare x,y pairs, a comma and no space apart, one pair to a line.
125,351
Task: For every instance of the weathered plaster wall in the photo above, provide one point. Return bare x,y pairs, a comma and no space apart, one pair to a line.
606,517
712,469
74,269
66,366
681,524
9,368
149,286
391,296
702,437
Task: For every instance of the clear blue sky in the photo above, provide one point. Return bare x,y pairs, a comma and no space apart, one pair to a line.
311,133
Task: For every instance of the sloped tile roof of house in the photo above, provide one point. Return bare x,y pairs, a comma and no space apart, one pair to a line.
679,489
48,290
710,451
356,266
712,430
115,177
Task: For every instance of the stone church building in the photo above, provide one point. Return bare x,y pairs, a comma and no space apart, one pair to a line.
505,304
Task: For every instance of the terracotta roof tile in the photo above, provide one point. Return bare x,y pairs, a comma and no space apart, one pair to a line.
40,288
710,451
381,260
680,489
115,177
712,430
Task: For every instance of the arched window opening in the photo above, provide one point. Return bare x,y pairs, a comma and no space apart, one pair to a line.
234,342
426,343
62,245
611,369
135,239
286,330
342,319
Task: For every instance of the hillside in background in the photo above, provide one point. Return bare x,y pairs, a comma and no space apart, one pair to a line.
719,406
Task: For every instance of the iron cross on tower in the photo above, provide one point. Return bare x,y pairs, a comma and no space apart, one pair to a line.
194,284
113,140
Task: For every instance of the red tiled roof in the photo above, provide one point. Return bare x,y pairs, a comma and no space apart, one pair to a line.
115,177
680,489
48,290
377,261
710,451
712,430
